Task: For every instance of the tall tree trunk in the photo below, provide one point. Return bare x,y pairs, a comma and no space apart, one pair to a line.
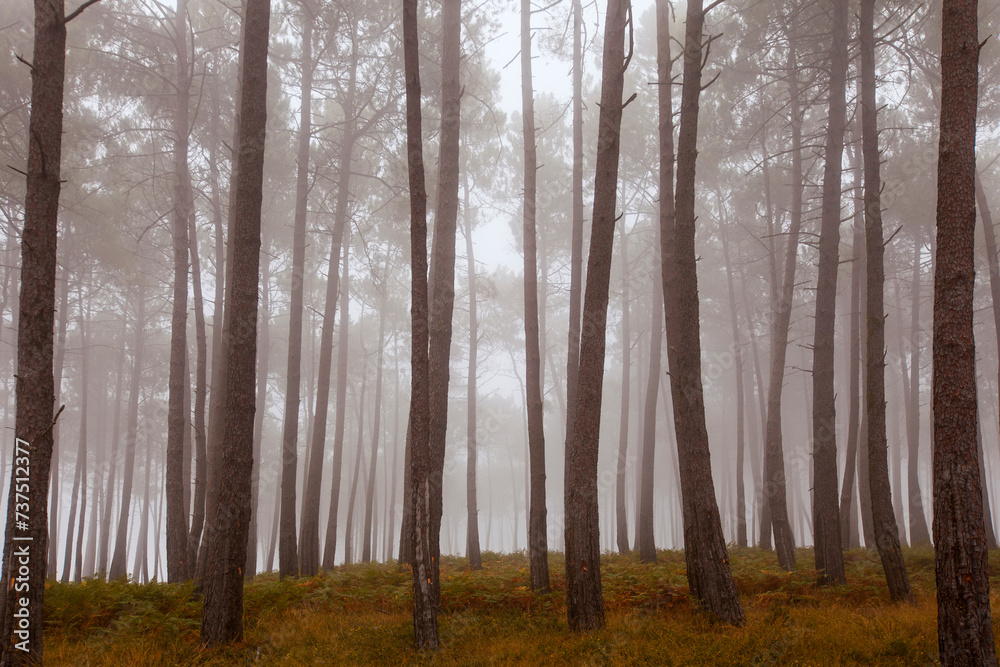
826,505
309,559
140,570
584,598
621,510
848,497
366,546
81,461
105,541
263,368
705,551
775,514
288,559
57,371
118,564
200,395
471,490
741,509
222,618
538,552
576,239
343,352
220,333
883,517
358,455
391,523
965,630
919,534
644,511
428,483
177,420
415,540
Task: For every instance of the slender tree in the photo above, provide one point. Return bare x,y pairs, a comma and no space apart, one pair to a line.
621,509
584,598
222,617
965,630
883,518
288,559
538,555
472,445
704,544
177,418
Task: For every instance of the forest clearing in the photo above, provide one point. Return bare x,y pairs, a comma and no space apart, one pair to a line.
361,615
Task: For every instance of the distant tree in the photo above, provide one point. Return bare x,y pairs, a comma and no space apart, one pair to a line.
288,559
222,617
965,630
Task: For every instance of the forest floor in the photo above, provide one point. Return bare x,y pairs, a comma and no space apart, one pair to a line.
360,615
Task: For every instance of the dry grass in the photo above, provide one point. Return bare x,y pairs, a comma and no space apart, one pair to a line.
360,615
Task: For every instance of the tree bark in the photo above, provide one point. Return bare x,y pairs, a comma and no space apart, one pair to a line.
415,542
222,617
80,479
826,506
584,598
621,510
177,420
965,631
288,559
538,553
706,557
883,517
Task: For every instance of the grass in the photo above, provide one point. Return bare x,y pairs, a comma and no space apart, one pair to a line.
360,615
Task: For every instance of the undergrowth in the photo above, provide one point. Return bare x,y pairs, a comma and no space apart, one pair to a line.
360,615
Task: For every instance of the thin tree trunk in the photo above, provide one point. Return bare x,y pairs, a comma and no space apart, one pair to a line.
775,515
118,560
741,509
919,533
705,551
288,559
621,511
58,363
140,571
366,547
883,517
105,540
848,498
343,351
358,455
471,490
965,629
826,506
584,598
263,368
82,460
222,617
538,555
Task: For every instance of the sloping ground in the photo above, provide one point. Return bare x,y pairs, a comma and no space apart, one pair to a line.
360,615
